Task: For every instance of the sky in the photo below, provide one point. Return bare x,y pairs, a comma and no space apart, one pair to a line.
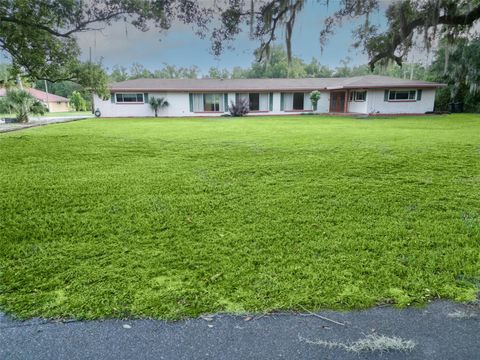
122,44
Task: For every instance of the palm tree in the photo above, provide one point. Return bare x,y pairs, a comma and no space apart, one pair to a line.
158,104
22,103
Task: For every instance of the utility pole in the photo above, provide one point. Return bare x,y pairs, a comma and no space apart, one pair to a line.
92,107
19,82
20,86
412,65
46,90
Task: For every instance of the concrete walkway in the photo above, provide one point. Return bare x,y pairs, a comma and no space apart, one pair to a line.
39,121
442,330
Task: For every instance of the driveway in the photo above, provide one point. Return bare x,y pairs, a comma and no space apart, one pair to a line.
442,330
39,121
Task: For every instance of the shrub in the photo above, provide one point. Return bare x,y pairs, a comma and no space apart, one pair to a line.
158,104
241,108
78,102
314,97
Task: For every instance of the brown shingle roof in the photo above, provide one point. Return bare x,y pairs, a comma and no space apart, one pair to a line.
181,85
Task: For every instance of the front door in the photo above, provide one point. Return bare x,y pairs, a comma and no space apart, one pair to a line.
337,101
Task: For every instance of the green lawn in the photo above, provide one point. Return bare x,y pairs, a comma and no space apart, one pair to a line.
177,217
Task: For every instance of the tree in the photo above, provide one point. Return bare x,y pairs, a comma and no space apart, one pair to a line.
39,37
78,102
61,88
22,104
173,72
138,71
458,66
216,73
405,19
50,26
119,73
158,104
277,65
316,70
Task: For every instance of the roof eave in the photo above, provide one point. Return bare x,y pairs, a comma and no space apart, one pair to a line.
403,86
329,88
215,90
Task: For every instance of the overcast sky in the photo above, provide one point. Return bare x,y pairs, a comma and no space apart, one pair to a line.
122,44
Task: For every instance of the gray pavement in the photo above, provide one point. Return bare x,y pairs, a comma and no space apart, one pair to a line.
39,121
442,330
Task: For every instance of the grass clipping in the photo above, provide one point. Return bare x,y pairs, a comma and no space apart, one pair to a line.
371,343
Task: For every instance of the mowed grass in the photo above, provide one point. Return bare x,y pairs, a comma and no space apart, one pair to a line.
171,218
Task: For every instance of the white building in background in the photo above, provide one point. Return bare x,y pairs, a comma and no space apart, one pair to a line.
370,94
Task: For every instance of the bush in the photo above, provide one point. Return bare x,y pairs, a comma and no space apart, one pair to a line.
77,101
314,97
158,104
241,108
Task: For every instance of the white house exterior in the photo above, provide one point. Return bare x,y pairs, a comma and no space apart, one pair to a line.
211,97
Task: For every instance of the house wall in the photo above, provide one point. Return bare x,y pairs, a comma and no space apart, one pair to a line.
358,106
58,106
180,105
377,105
323,105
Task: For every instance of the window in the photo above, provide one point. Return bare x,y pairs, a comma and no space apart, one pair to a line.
402,95
198,102
211,102
208,102
129,98
295,101
264,102
254,101
357,96
298,101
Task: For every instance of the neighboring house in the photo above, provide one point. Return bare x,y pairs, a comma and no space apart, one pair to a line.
54,103
208,97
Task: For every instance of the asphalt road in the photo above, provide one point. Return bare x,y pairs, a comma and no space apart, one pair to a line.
442,330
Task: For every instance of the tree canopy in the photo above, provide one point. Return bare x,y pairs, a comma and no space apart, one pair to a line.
49,26
405,19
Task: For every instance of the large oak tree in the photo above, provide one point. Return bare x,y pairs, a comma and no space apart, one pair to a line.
39,35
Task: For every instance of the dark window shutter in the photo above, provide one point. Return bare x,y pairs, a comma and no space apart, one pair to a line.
237,97
225,100
419,94
112,98
270,102
385,97
282,101
191,102
145,97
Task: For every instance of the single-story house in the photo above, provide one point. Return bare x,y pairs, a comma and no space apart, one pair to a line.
54,103
370,94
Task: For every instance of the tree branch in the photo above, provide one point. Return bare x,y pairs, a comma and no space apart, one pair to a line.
271,32
81,26
464,19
